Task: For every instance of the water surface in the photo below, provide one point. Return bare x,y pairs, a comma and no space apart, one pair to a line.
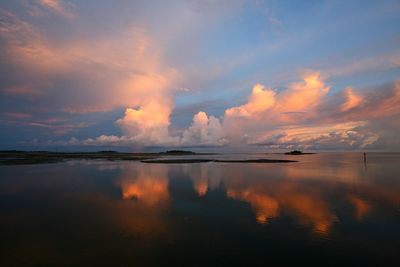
327,209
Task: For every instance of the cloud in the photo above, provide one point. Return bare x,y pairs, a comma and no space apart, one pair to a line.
59,7
342,136
306,116
203,131
21,91
267,110
370,105
28,47
16,115
372,63
299,97
305,95
148,125
124,70
260,100
82,71
303,116
59,128
352,100
86,75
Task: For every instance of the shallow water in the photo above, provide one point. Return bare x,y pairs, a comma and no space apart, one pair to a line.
327,209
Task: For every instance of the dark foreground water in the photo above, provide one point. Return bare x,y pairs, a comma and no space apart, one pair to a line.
328,209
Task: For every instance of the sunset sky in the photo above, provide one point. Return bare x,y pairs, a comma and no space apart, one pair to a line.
211,75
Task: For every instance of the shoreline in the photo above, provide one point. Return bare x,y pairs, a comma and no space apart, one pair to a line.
45,157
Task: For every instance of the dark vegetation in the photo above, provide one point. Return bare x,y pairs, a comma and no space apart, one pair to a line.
297,152
183,152
13,157
171,161
178,152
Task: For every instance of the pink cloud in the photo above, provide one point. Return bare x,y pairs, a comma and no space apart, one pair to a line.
352,100
21,90
59,7
17,115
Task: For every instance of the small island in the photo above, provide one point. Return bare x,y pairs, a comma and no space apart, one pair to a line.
297,152
178,152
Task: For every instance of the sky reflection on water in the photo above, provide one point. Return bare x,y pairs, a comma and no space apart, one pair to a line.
326,208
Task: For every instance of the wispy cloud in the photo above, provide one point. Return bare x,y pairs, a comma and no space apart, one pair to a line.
17,115
59,7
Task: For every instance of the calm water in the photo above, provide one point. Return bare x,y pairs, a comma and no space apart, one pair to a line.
328,209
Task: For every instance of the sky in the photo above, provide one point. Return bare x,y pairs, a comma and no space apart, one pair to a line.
206,75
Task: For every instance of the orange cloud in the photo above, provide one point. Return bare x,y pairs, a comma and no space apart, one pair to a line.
266,110
266,105
299,97
148,124
352,100
303,96
260,100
